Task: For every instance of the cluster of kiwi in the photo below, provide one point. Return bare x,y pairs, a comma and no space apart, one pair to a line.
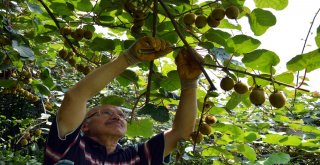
257,95
204,129
27,136
138,17
213,20
25,76
21,92
68,56
77,34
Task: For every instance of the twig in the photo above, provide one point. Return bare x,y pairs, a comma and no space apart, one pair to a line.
154,33
189,48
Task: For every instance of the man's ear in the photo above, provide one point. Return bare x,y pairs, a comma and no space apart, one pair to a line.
84,127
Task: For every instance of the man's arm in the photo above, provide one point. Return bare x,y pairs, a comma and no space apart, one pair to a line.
185,118
73,108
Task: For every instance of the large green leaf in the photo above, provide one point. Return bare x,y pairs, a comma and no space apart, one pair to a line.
127,76
275,4
309,61
172,82
158,113
261,59
113,100
235,100
102,44
22,50
228,128
241,44
141,127
248,152
61,9
260,20
46,78
84,5
277,158
217,36
43,89
317,38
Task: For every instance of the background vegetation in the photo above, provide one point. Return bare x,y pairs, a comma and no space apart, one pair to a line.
47,46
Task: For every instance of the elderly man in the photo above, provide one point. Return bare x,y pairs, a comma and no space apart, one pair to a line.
81,137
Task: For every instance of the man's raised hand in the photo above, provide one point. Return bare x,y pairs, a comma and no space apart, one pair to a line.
147,49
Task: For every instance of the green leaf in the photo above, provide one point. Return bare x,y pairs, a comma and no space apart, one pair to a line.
317,38
128,76
309,61
275,4
42,38
260,20
241,44
46,78
273,138
101,44
113,100
235,100
217,36
160,113
248,152
141,127
7,83
61,9
261,59
34,8
277,158
22,50
43,89
228,128
286,77
84,5
172,82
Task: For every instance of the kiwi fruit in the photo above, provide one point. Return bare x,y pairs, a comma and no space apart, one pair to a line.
66,30
24,142
77,34
63,53
189,18
257,96
135,29
210,119
218,14
205,129
241,88
227,83
195,138
72,62
201,21
38,132
87,34
277,99
232,12
212,22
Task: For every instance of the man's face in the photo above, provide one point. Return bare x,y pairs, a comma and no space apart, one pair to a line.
105,120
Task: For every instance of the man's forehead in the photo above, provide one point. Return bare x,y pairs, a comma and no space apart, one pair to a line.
104,108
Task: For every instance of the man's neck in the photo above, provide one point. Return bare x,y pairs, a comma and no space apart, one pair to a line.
109,142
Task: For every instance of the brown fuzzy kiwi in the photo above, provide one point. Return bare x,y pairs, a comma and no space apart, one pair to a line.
210,119
277,99
189,18
138,15
24,142
218,14
201,21
66,30
87,34
232,12
195,138
205,129
257,96
63,53
212,22
227,83
241,88
135,29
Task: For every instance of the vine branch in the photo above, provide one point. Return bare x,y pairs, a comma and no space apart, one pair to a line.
254,76
189,48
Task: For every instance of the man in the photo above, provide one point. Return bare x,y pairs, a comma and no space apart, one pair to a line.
78,137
